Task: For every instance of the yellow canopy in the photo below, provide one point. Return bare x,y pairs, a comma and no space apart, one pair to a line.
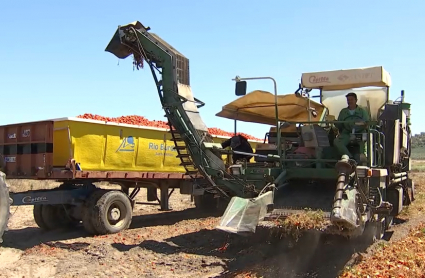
259,107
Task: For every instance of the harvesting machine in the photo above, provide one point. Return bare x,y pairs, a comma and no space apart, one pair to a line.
297,167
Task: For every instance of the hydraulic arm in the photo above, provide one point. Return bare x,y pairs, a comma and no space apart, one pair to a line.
170,70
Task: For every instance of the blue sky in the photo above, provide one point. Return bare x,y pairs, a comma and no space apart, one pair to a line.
53,62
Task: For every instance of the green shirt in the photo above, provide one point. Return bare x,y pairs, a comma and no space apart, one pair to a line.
345,115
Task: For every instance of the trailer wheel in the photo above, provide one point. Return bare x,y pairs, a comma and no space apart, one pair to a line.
4,207
38,217
51,217
112,213
67,221
87,210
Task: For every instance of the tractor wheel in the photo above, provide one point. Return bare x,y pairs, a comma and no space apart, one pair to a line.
4,207
112,213
87,210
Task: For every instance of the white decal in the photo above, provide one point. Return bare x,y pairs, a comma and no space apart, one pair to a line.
10,159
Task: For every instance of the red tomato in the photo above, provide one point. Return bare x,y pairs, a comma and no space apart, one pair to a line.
142,121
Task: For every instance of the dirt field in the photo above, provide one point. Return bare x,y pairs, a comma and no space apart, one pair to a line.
180,243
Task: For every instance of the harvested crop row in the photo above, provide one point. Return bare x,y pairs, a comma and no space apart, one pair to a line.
298,223
404,258
142,121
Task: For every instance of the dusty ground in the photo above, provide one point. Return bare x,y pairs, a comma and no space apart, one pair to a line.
180,243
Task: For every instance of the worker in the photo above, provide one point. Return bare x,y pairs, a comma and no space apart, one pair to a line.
351,113
241,144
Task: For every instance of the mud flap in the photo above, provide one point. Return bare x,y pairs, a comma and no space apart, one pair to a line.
242,215
4,206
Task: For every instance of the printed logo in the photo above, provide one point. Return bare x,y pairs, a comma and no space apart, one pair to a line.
318,79
26,133
127,145
9,159
343,77
31,200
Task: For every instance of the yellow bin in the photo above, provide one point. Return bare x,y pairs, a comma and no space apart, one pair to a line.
106,146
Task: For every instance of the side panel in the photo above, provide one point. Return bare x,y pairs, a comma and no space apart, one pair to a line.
62,148
31,150
27,148
100,147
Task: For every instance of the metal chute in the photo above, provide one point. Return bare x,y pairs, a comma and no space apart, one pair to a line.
242,215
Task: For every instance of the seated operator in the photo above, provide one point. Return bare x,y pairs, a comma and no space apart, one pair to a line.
351,113
241,144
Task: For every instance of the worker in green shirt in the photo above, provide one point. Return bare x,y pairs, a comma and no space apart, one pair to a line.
351,113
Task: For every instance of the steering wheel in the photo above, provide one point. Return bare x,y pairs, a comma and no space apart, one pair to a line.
358,124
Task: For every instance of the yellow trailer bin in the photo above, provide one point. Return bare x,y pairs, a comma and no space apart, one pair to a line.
108,146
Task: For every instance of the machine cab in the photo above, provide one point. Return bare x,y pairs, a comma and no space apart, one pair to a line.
371,85
308,127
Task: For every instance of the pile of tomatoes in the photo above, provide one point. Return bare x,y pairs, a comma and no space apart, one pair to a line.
142,121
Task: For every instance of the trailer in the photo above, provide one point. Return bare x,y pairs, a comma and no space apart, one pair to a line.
80,152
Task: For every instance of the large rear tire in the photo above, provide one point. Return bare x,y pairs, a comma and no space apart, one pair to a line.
87,211
38,217
112,213
4,207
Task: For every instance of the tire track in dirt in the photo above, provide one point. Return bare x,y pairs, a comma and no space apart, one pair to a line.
180,243
326,256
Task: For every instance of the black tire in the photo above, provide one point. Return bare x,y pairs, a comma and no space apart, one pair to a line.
87,210
65,218
4,208
38,217
102,213
51,217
